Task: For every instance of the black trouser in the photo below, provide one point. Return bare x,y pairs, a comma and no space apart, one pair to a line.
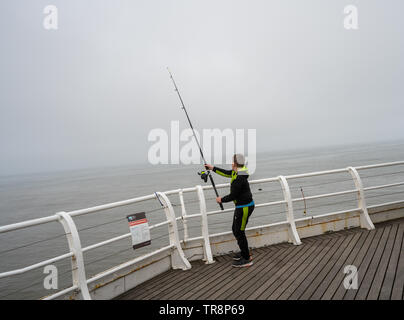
240,221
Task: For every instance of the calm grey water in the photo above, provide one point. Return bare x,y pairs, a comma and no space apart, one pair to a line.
25,197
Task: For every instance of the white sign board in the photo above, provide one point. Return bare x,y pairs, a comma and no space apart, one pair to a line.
139,229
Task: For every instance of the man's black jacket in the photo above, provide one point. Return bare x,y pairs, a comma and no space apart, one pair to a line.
240,191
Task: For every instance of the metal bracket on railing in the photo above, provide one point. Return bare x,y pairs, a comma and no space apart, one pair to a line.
365,220
178,259
293,235
207,251
78,270
183,215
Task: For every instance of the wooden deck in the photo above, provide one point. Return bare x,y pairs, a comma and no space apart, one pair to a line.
313,270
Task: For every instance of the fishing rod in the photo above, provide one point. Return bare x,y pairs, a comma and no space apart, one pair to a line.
203,175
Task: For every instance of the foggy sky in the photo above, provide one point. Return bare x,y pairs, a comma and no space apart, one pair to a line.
89,93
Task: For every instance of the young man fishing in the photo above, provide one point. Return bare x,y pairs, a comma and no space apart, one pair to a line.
240,194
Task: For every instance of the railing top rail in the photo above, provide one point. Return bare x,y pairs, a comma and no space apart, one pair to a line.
36,265
317,173
28,223
386,164
110,205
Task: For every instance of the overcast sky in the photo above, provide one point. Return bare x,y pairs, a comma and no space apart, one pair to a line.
89,93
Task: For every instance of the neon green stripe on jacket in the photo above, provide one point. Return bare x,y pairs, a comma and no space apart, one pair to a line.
244,219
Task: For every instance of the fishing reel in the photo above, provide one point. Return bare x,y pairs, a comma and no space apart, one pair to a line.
204,175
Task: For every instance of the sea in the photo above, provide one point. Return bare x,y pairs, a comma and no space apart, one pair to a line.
29,196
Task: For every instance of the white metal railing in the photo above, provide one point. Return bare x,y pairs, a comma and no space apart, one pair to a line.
178,259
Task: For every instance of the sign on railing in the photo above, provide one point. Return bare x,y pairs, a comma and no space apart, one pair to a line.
139,229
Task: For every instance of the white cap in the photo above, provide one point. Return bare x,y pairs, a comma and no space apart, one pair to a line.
239,159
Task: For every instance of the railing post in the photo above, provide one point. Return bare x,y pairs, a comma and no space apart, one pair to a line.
184,216
293,235
207,251
178,259
73,238
365,220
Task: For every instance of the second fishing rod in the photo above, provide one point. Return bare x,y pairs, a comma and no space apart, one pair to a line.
204,175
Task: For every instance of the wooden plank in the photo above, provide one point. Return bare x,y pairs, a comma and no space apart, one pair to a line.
374,263
335,234
207,292
236,276
246,282
270,277
325,236
381,270
149,285
397,292
341,291
203,286
224,258
284,291
242,283
236,282
183,285
389,222
327,265
385,293
183,277
291,272
219,258
350,294
336,267
256,278
147,289
308,240
337,282
310,277
283,245
164,278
